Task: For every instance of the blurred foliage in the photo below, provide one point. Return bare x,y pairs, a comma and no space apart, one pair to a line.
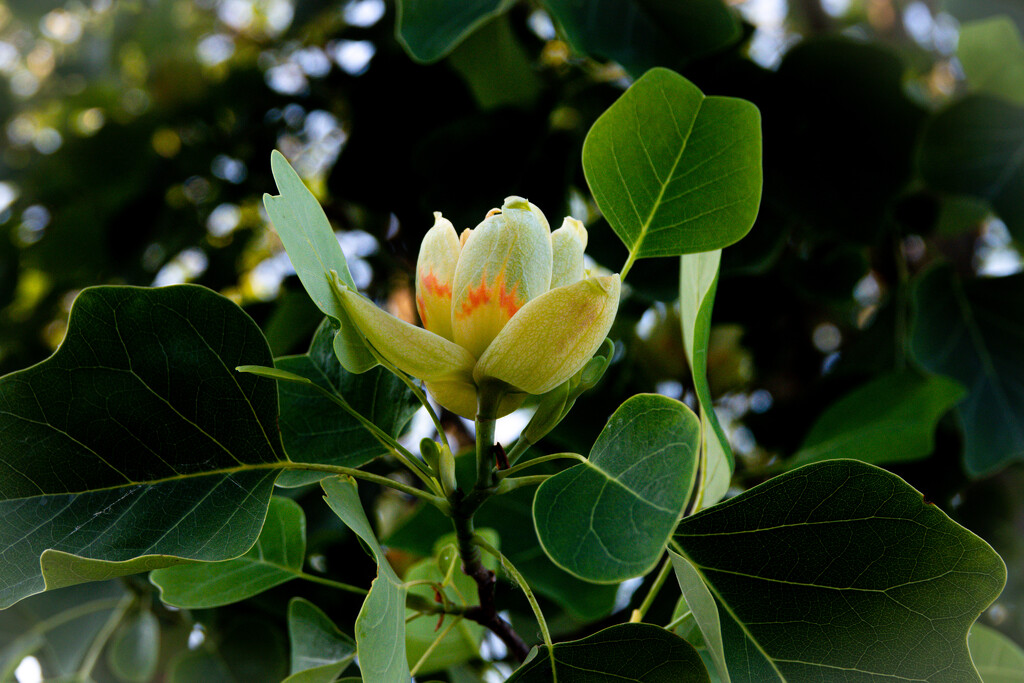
135,150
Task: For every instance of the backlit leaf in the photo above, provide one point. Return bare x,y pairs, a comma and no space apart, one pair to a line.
673,171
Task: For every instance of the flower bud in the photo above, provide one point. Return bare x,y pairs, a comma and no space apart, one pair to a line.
505,307
435,272
552,337
505,262
567,245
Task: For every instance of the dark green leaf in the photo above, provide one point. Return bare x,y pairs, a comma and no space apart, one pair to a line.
276,558
992,55
320,651
642,34
971,331
314,250
380,626
698,280
643,653
315,429
673,171
974,147
134,650
496,68
892,418
136,444
608,519
430,29
999,659
841,569
56,627
241,648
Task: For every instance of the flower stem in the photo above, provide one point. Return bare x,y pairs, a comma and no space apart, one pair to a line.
385,439
659,581
331,583
538,460
486,613
437,501
92,655
525,587
488,398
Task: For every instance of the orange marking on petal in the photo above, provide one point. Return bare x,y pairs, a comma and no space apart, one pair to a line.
475,298
433,286
508,301
421,308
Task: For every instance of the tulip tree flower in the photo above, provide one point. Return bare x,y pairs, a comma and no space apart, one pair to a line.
507,310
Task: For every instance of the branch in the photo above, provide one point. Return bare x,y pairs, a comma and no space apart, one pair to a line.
486,613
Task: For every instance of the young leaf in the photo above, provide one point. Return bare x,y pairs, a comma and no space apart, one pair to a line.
698,280
380,626
673,171
315,429
999,659
972,332
841,569
276,558
608,519
430,29
642,653
134,651
136,445
307,236
892,418
320,651
705,612
992,55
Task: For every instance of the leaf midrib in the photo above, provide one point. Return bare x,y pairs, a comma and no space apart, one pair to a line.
645,226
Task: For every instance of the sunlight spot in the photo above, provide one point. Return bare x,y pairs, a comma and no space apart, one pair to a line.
29,671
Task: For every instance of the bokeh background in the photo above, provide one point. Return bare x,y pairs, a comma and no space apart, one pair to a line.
135,138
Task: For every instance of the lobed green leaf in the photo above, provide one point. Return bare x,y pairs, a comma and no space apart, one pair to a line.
136,445
841,571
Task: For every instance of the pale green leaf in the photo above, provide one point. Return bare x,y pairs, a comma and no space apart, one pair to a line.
314,250
134,650
998,659
991,53
698,280
380,626
705,612
320,651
